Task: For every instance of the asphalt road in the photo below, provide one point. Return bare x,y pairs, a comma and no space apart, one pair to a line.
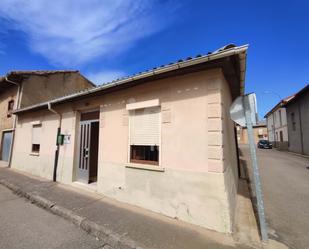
24,225
285,185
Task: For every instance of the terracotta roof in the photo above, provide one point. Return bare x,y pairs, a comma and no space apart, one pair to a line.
297,95
17,76
40,72
261,123
226,51
4,84
282,103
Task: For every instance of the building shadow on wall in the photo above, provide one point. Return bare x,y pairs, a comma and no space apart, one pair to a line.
246,174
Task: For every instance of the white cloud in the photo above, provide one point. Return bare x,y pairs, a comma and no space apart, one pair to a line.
72,32
104,76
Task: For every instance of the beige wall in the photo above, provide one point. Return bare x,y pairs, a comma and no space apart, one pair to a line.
259,133
22,157
197,150
51,86
229,151
39,88
6,123
277,125
5,97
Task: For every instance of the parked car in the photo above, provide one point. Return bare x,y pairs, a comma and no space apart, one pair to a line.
264,144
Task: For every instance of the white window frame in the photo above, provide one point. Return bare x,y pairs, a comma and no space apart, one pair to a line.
33,124
142,105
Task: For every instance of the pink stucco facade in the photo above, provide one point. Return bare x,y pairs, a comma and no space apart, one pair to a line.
196,179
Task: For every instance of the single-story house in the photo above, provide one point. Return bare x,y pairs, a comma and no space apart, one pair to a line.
161,139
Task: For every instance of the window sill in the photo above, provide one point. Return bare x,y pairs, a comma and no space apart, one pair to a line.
145,167
34,154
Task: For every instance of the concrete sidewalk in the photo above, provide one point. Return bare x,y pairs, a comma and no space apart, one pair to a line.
119,225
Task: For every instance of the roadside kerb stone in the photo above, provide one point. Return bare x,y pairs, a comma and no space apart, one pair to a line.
68,215
112,240
10,186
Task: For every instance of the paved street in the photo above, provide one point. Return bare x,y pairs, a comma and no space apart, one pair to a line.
146,229
285,184
24,225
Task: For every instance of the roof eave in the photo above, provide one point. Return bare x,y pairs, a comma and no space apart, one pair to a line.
297,95
241,51
280,104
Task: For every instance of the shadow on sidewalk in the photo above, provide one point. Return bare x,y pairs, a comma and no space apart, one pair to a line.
120,225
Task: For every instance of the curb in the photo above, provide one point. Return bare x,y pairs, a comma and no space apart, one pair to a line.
111,240
297,154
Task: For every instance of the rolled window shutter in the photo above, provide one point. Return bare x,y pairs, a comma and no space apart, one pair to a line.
36,134
145,126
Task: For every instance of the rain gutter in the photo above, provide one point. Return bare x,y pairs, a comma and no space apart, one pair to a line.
57,142
240,51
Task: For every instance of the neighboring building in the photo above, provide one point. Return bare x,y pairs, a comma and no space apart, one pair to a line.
20,89
162,139
277,125
259,132
8,100
297,111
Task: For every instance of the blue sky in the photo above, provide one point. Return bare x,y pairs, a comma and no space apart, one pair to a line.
106,39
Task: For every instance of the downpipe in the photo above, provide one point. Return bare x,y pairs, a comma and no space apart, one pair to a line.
57,143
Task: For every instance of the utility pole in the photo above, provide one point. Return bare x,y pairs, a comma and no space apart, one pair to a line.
256,174
243,112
